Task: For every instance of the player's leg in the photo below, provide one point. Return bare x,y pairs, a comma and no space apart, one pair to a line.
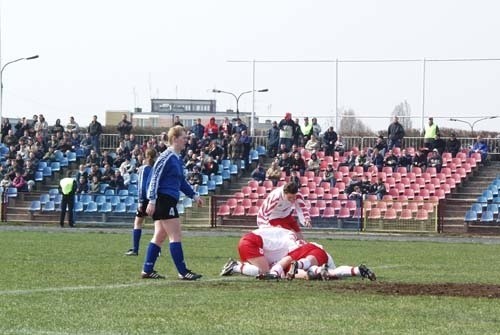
153,251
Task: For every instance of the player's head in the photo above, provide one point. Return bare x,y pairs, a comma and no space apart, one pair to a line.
150,155
290,191
177,137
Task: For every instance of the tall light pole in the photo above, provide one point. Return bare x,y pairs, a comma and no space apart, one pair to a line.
1,81
237,97
471,125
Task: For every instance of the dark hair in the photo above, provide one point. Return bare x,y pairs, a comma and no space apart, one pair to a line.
291,188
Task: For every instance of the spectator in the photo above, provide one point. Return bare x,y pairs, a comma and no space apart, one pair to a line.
194,178
395,133
93,159
306,129
430,134
287,127
295,177
41,125
339,146
210,167
212,129
313,164
19,182
273,138
329,139
316,127
453,145
376,159
107,173
298,163
247,144
435,160
313,144
177,121
378,189
95,131
94,187
117,181
439,144
6,128
239,127
298,138
356,194
29,174
330,175
198,129
481,147
350,160
285,163
405,160
82,172
124,127
10,138
274,173
381,145
86,144
420,160
259,174
82,186
50,155
95,172
72,126
362,160
225,127
6,181
391,160
215,151
57,127
236,150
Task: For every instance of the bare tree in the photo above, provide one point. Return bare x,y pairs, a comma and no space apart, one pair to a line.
349,124
403,112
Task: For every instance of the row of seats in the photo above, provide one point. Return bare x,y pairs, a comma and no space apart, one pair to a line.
486,207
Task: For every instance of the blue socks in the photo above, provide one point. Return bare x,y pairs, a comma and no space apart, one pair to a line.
136,234
178,257
151,256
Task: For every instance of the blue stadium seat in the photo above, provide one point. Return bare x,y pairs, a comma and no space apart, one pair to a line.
217,179
120,208
64,162
203,190
132,190
134,178
105,208
12,192
225,175
103,187
470,216
254,155
100,200
129,200
493,208
91,207
85,199
55,166
187,202
226,163
483,201
38,176
41,165
78,206
488,195
487,216
44,198
204,179
57,200
261,150
53,192
80,153
49,207
113,200
59,155
35,206
211,185
109,191
123,194
47,171
133,208
233,169
4,150
478,208
71,156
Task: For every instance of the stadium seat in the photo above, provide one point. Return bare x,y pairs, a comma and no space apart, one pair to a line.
390,214
187,202
120,208
105,208
470,216
406,214
211,185
253,184
226,163
49,207
35,206
109,192
78,206
224,210
329,212
314,212
38,176
44,198
11,192
100,200
180,209
231,203
123,194
47,171
57,200
204,179
253,211
246,203
375,213
91,207
487,216
493,208
422,215
133,208
71,156
218,180
429,206
239,211
225,175
55,166
344,213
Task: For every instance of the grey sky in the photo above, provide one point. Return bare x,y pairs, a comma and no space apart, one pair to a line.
94,53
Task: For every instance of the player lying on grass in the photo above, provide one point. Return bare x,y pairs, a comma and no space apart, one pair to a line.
275,253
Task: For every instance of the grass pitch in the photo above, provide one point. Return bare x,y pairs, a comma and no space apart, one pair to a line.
73,282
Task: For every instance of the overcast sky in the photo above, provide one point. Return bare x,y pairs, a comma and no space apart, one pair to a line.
95,54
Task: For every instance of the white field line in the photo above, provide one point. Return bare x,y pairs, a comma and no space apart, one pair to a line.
146,282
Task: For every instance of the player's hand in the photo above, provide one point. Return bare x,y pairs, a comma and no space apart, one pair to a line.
198,200
150,209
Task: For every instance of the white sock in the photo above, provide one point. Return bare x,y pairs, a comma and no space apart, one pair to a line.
246,269
314,269
304,263
344,271
277,269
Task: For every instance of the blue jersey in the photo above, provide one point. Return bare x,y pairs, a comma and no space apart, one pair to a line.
144,177
167,177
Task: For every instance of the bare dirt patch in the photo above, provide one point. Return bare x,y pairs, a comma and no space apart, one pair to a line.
441,289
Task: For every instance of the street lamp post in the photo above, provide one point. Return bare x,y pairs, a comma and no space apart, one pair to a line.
237,97
1,81
471,125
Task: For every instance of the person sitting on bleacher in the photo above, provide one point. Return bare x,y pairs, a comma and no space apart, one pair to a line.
376,159
210,167
285,163
329,176
117,181
82,172
381,144
420,160
453,145
356,194
64,143
314,163
378,189
329,139
10,138
362,160
435,160
194,178
19,182
95,172
95,185
391,160
92,159
82,185
107,173
298,164
481,147
49,156
86,144
313,144
405,160
259,174
29,174
274,173
215,151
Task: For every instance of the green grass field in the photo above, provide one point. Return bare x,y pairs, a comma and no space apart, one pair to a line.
68,282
